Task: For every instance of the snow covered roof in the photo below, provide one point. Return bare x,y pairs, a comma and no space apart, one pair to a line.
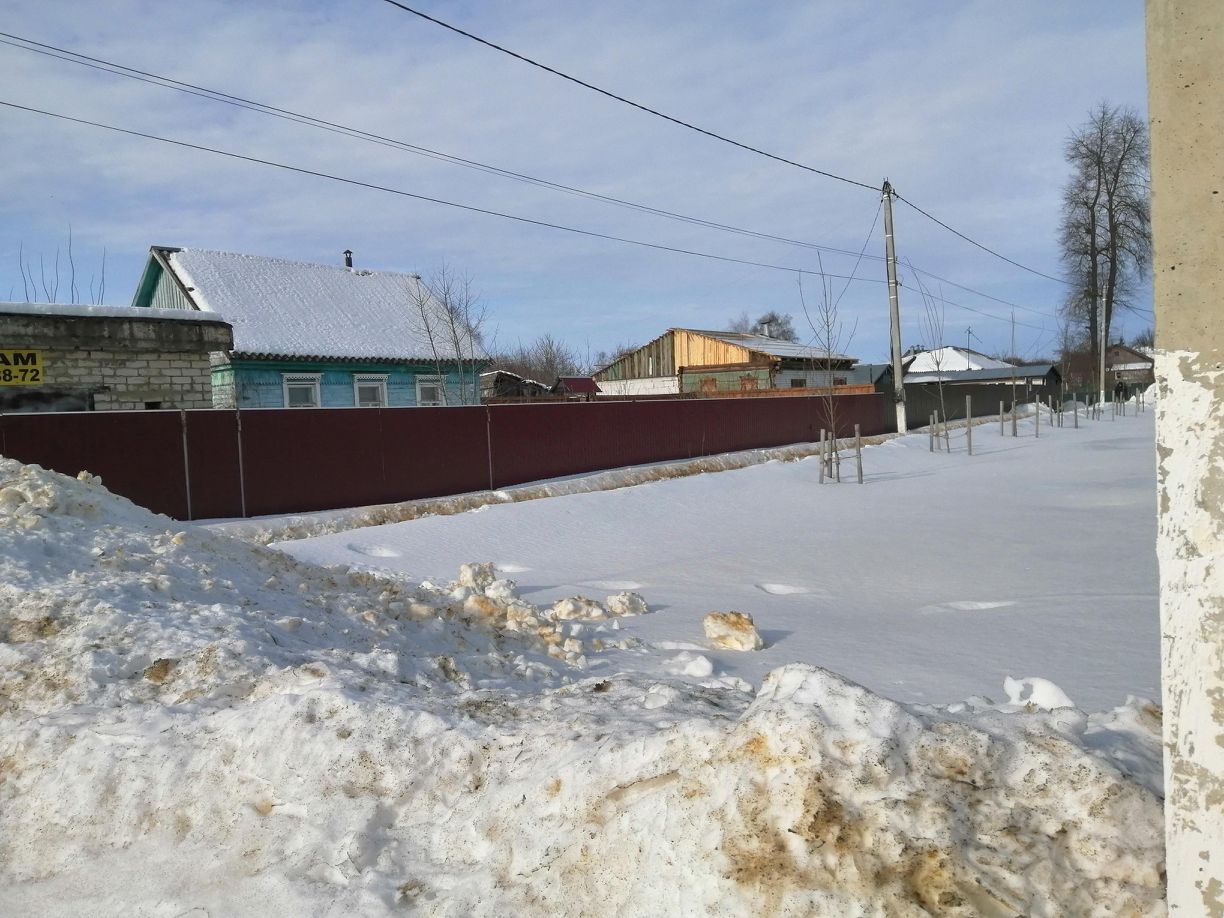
81,310
952,358
774,347
994,374
299,309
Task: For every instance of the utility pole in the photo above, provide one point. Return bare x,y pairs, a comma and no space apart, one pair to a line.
894,307
968,335
1101,369
1185,66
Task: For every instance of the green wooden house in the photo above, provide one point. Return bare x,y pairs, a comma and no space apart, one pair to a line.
311,335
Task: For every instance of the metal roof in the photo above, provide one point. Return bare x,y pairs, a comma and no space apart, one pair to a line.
1029,371
774,347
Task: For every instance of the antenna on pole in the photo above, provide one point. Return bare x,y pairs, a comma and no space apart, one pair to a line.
890,261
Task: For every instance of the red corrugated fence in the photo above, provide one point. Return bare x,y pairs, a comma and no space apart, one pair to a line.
218,463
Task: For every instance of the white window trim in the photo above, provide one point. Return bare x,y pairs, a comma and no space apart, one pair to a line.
370,379
297,379
439,381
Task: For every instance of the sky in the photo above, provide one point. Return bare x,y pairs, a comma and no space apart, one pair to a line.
963,106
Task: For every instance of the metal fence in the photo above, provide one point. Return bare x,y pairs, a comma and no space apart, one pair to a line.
222,463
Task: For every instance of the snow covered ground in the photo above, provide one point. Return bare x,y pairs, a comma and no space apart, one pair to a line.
937,579
195,725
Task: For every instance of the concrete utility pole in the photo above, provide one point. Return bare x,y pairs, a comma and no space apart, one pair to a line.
1185,59
894,307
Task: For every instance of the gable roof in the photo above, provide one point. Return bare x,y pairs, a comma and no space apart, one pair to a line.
298,309
951,358
578,385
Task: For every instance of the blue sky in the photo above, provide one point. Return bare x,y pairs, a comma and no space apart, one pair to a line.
963,106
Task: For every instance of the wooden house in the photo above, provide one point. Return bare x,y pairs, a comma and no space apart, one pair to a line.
686,360
311,335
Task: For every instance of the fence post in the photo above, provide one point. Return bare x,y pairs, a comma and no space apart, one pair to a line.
858,451
1037,418
241,469
822,455
931,433
969,423
186,463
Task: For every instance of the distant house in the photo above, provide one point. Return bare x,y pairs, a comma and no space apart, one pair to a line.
311,335
504,384
576,387
684,360
950,358
1123,365
1041,375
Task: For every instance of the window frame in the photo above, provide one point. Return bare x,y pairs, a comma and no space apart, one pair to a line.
370,379
314,380
425,379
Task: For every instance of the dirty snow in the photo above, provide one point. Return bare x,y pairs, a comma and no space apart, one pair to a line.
190,724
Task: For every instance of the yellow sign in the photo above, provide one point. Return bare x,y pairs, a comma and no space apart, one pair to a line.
21,368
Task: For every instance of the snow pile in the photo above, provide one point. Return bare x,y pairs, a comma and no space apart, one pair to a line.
188,722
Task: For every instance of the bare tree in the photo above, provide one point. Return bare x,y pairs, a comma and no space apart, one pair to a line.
1105,236
1145,338
545,360
450,319
47,281
829,337
605,358
772,324
933,330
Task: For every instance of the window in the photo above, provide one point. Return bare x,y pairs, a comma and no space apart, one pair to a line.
798,383
301,390
370,391
431,391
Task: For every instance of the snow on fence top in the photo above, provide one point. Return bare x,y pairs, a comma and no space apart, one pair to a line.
300,309
81,310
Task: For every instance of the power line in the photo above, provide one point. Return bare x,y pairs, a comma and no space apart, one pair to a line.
639,106
744,146
154,79
203,92
942,299
432,200
984,248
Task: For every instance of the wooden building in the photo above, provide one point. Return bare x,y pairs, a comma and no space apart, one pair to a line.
686,360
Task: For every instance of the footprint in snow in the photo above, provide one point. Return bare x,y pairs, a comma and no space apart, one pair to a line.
966,605
615,584
782,589
375,551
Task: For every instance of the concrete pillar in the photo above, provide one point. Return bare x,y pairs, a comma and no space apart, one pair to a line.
1185,57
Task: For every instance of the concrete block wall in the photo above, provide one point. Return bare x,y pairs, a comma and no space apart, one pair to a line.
126,380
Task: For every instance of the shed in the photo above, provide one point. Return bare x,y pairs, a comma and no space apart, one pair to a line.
696,360
95,358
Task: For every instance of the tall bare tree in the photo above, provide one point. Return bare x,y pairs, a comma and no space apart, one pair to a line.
1105,236
450,318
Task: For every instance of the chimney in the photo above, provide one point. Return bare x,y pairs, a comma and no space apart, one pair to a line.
348,258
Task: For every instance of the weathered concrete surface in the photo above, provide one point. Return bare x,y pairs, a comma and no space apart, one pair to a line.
168,336
1185,51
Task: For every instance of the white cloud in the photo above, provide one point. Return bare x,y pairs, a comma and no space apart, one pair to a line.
964,107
